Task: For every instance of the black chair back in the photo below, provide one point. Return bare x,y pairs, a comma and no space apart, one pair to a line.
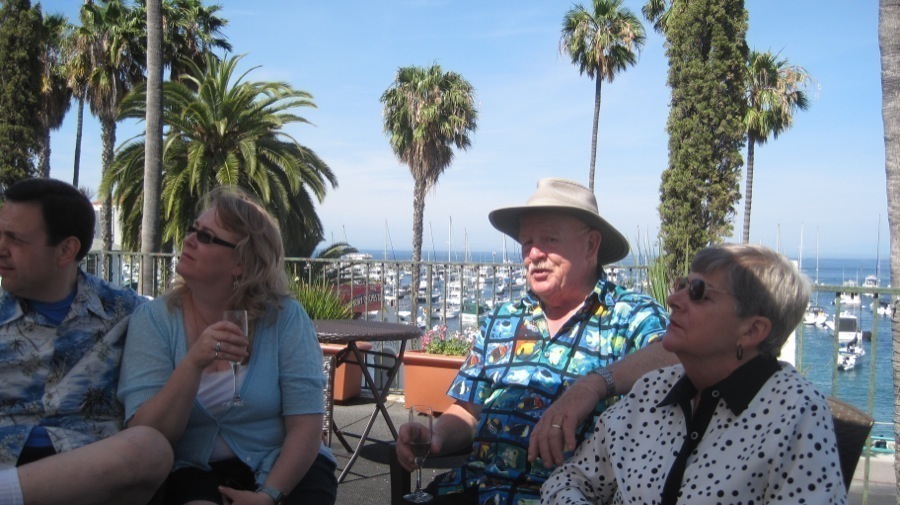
852,427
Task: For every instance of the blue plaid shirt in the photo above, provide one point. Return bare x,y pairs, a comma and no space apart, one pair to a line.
516,369
62,377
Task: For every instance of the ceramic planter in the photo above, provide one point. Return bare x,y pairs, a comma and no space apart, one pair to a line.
347,376
427,377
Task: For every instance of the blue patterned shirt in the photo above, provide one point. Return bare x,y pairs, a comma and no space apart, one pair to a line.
516,369
62,377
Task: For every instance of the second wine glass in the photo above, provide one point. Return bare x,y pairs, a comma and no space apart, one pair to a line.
420,446
238,317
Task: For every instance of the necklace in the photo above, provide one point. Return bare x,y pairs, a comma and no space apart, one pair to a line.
197,317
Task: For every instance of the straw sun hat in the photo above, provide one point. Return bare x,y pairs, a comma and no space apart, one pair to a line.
569,197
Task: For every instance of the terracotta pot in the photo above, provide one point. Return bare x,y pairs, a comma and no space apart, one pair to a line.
427,377
347,376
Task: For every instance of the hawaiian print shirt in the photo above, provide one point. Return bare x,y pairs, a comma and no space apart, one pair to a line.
62,377
516,369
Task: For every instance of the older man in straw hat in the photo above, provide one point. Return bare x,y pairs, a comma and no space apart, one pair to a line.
572,323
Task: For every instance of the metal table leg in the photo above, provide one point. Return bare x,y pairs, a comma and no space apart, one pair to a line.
380,397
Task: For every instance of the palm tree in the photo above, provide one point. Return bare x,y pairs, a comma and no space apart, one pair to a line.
426,112
775,91
77,68
191,30
56,95
657,12
112,37
227,132
153,135
602,42
889,43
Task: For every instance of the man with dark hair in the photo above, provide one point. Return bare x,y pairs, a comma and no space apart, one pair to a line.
65,210
61,337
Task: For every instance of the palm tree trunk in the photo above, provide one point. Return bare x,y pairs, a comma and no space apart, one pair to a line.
889,41
748,190
44,155
152,148
108,135
599,84
77,166
418,217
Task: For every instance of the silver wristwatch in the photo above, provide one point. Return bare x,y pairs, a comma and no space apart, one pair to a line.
273,493
607,377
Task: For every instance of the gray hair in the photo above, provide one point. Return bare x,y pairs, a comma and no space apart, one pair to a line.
764,282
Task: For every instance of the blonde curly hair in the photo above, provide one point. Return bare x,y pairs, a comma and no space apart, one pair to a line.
264,281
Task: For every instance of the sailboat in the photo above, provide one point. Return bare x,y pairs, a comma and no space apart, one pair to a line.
871,281
815,313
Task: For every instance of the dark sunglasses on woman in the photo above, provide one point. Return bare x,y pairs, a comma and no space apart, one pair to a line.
205,237
697,288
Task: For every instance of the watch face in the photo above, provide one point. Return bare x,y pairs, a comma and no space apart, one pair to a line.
275,494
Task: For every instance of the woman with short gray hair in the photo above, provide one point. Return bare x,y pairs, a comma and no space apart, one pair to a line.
729,424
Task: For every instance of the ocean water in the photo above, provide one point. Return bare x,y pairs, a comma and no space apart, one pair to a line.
869,386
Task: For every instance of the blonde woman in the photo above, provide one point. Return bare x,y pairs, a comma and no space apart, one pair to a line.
177,375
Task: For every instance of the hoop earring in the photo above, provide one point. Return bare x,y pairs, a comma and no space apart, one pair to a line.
740,352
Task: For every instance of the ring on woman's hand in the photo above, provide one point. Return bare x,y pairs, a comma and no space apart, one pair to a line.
558,427
216,356
218,347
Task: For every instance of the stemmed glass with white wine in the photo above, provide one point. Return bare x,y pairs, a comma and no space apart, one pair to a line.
238,317
420,446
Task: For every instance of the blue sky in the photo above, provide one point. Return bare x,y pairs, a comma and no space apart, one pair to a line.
823,178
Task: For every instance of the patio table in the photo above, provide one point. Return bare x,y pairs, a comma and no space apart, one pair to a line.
350,332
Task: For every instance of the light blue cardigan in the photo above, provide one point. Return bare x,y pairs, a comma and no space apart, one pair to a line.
284,377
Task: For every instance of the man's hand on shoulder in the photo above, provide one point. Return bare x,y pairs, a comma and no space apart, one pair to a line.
555,432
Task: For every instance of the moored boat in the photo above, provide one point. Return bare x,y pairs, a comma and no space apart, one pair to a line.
884,445
815,314
846,361
846,328
473,313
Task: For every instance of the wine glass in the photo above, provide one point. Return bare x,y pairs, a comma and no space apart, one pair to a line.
238,317
420,446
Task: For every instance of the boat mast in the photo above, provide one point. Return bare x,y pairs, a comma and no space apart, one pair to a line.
450,241
877,250
817,264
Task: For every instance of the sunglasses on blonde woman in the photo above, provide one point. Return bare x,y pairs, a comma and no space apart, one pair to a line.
697,288
205,237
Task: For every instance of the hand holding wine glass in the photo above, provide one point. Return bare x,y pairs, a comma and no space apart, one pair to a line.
238,317
420,445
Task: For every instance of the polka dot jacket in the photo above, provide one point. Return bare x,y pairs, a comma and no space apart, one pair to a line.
767,438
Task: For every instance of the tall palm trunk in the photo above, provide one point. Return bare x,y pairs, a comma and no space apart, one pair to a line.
599,84
889,42
418,228
748,191
78,130
153,148
108,135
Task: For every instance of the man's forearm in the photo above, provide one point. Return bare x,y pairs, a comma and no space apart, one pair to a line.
628,370
456,427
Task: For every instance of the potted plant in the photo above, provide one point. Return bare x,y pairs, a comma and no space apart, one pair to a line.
322,301
431,368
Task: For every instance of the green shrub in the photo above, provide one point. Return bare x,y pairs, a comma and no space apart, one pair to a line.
321,300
